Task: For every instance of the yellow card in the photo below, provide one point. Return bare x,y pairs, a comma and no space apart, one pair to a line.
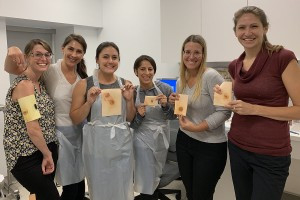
181,105
226,96
111,102
29,108
150,101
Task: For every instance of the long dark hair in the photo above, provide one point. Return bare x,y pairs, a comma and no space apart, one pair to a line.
81,67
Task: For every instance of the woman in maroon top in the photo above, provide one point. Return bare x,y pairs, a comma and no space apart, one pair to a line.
264,77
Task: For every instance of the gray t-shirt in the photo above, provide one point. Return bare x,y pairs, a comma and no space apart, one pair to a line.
203,109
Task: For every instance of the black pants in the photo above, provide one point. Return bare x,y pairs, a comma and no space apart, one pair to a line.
256,176
201,165
28,172
74,191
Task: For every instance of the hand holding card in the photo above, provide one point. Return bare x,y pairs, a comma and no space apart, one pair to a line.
226,96
181,105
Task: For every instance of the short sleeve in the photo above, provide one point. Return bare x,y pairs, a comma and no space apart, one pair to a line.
284,58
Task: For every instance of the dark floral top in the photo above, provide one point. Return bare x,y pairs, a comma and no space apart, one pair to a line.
16,140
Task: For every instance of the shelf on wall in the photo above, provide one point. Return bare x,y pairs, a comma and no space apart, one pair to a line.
221,67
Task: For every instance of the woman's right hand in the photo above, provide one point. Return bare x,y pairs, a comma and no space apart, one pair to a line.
15,55
92,94
48,164
217,89
173,97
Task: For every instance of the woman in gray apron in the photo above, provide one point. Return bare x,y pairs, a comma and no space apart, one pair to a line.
151,128
107,140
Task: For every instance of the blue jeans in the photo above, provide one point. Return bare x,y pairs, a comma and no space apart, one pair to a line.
256,176
201,165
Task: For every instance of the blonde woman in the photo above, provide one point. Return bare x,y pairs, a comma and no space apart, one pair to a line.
201,142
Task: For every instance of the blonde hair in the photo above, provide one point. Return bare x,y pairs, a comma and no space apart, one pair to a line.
261,15
184,74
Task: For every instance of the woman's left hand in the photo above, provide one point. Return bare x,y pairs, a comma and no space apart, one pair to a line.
127,91
185,123
242,108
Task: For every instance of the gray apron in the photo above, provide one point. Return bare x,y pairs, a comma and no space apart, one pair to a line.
108,153
151,143
69,169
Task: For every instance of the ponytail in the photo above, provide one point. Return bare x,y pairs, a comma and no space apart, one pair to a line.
81,69
270,47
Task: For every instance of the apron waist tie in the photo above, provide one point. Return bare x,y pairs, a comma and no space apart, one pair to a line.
122,125
160,131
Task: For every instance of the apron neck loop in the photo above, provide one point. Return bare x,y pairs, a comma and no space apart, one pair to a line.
96,79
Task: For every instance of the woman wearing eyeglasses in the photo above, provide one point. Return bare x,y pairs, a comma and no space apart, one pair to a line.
60,80
30,142
201,145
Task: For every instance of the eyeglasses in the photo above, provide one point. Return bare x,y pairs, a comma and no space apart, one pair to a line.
39,55
188,53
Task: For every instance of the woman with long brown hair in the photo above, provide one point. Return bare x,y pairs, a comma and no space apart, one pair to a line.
264,77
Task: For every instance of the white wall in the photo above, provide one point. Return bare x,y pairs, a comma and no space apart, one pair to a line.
179,19
217,29
4,77
134,25
213,20
78,12
284,18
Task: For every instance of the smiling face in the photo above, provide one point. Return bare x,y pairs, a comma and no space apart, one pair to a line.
108,60
192,56
72,53
250,31
145,73
39,59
